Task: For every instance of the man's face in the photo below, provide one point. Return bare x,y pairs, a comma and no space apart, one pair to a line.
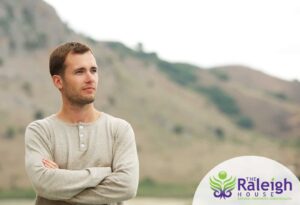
80,79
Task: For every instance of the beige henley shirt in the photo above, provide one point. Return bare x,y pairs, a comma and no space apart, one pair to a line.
97,161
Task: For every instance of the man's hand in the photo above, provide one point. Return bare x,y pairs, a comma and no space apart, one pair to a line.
50,164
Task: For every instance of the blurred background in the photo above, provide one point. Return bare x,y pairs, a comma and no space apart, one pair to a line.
199,82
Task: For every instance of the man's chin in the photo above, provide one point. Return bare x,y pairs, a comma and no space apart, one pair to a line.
88,101
82,102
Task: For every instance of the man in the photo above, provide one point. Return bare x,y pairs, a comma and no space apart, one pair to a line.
80,155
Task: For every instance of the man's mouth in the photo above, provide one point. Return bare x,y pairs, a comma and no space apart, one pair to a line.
89,88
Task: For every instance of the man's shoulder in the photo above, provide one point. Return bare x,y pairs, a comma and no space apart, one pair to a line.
116,122
41,123
118,126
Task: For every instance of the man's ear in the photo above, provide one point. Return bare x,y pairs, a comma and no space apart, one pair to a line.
57,81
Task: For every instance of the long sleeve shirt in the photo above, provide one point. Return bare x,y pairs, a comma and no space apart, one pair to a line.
97,161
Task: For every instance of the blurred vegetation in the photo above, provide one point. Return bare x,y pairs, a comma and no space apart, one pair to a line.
178,129
151,188
10,132
186,75
124,52
12,45
7,18
147,188
27,88
219,133
221,75
39,114
226,104
1,61
40,41
91,40
183,74
111,100
245,122
9,11
5,24
221,99
28,17
17,194
279,95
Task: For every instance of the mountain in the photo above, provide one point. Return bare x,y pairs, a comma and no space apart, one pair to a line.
187,119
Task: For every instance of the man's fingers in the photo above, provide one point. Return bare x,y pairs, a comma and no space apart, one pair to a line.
52,163
49,164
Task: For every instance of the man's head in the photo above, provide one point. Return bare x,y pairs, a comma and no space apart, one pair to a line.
74,72
58,56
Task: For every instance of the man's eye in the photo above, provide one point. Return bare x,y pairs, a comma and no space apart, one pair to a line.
94,70
79,72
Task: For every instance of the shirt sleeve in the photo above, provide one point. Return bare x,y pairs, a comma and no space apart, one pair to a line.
122,183
55,184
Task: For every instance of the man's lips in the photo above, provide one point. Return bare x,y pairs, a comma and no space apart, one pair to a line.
89,88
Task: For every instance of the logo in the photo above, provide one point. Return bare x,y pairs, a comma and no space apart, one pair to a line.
248,180
222,186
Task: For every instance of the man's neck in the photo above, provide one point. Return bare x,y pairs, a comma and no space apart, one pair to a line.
75,114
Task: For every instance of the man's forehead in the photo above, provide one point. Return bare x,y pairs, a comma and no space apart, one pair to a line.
76,59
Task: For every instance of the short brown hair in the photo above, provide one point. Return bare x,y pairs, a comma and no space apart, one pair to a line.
58,56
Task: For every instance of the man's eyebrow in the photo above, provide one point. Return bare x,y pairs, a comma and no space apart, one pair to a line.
80,68
84,68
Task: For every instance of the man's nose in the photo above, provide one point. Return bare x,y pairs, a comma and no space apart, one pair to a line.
90,76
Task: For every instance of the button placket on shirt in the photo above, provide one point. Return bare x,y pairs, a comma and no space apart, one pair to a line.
82,142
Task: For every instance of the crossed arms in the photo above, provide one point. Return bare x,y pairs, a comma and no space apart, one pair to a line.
93,185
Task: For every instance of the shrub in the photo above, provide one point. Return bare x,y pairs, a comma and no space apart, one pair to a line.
183,74
139,47
120,48
221,75
5,24
12,45
1,61
27,88
39,42
28,17
245,122
221,99
10,12
39,114
280,96
111,100
10,133
178,129
219,132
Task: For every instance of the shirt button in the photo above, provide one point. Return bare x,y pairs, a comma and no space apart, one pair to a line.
81,135
80,127
82,145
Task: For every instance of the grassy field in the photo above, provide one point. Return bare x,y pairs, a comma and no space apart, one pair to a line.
147,189
149,192
137,201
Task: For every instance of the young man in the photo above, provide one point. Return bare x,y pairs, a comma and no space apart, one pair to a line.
80,155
